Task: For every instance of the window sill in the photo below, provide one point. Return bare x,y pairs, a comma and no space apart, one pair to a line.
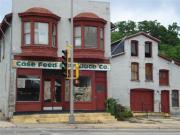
164,85
135,80
149,81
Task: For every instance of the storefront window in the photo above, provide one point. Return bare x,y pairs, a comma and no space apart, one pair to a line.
28,88
84,91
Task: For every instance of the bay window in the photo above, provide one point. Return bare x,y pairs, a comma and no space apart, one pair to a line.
54,35
41,33
77,37
27,33
90,37
101,38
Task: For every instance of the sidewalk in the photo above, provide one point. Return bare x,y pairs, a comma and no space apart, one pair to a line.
134,123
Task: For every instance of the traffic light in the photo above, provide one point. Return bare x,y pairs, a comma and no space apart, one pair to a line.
77,70
65,63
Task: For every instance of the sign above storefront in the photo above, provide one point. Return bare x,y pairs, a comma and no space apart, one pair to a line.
58,65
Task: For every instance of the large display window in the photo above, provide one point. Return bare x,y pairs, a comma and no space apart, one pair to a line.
82,92
28,88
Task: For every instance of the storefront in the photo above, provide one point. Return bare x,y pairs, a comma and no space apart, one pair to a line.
41,87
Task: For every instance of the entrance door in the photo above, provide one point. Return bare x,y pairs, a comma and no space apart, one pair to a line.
52,94
165,101
100,90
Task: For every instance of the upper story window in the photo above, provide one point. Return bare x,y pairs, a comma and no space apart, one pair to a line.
39,32
134,48
164,77
134,71
27,33
149,71
175,98
148,49
89,31
90,37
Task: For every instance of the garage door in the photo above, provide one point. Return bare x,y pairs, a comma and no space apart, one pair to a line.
142,100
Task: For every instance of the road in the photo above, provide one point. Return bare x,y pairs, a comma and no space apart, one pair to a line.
41,131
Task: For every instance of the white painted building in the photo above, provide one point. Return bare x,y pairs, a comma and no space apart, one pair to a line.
141,79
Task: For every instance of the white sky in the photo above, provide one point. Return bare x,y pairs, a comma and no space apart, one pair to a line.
164,11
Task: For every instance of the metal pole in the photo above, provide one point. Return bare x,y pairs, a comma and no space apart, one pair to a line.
71,116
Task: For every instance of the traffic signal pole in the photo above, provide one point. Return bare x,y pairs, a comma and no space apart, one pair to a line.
71,116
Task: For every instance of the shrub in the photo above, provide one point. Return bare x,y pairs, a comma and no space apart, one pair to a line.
120,112
110,105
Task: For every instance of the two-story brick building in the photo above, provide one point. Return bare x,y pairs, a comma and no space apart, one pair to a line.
32,38
142,79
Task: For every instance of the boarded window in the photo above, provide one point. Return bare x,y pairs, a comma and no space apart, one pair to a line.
149,71
164,77
175,98
134,71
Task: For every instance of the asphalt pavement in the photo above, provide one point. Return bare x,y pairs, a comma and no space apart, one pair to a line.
41,131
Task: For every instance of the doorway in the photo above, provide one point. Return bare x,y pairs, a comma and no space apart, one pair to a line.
165,101
52,96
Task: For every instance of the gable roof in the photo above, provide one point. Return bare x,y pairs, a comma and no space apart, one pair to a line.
4,24
117,48
169,59
144,34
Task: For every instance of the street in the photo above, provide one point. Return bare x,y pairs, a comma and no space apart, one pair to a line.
43,131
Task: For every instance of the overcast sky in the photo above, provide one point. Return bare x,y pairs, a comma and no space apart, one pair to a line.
165,11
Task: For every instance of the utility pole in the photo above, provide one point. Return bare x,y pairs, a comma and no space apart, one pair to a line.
71,116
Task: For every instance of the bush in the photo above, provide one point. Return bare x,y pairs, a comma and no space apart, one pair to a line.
110,105
120,112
